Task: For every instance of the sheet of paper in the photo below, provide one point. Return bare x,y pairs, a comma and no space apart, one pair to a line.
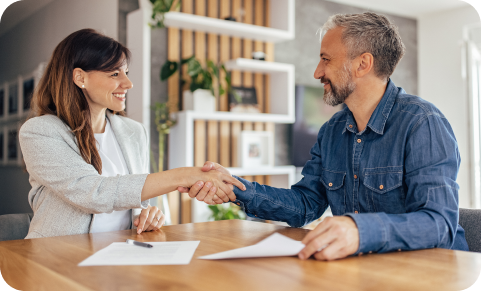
163,253
276,245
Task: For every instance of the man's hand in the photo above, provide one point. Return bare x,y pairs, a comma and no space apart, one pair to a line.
205,192
334,238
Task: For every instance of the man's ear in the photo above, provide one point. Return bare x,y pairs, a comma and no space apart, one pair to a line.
79,77
365,63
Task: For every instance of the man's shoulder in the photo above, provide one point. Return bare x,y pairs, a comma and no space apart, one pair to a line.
416,106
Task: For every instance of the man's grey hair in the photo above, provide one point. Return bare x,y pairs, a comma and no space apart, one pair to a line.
369,33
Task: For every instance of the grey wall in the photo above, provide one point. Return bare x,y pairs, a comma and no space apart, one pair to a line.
303,52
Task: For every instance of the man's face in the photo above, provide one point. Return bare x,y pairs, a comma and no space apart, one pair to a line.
334,69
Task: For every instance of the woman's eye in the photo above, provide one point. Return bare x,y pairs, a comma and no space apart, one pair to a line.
126,73
115,74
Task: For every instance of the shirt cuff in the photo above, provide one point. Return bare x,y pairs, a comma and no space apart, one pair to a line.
244,197
372,232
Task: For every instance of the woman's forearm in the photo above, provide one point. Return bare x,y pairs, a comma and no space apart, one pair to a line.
160,183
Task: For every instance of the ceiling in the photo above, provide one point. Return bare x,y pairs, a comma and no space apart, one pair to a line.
18,11
407,8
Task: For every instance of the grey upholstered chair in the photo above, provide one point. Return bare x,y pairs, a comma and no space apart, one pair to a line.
14,226
470,220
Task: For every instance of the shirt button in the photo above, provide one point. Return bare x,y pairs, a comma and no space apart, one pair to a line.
356,212
399,250
381,187
370,252
360,254
350,125
330,184
358,140
355,176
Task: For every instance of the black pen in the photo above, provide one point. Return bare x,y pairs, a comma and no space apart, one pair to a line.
140,244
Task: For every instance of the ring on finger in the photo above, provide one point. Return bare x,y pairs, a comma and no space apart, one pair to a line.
321,248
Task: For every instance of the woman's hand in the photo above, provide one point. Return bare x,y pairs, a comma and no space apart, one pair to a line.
150,218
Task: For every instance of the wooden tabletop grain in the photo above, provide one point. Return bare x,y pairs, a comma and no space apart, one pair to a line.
51,264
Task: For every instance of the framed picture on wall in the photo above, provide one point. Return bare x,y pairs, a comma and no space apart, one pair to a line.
13,98
243,99
2,101
28,85
2,146
255,149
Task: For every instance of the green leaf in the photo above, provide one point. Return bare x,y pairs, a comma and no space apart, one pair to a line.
168,69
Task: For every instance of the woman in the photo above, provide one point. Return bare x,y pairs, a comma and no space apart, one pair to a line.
88,164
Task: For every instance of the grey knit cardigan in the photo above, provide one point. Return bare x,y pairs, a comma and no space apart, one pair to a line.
66,191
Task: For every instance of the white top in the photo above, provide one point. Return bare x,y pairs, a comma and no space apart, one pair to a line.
113,164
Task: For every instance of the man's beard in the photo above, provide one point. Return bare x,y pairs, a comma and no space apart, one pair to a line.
339,93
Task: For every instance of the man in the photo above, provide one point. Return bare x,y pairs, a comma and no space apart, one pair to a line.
386,164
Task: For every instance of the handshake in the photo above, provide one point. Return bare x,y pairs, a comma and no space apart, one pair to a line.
214,186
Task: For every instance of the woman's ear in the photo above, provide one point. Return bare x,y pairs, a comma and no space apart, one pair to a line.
79,76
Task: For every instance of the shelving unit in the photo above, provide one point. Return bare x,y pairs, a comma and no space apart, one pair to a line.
281,22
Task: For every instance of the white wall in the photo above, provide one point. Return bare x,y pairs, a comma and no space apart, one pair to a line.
33,40
440,37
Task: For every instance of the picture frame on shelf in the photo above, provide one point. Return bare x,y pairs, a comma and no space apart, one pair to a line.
255,149
243,99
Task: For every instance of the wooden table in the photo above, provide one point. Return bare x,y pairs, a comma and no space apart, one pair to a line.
51,264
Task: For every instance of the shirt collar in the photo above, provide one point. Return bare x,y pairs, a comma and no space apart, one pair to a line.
381,113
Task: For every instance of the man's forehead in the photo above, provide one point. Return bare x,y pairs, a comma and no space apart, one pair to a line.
331,43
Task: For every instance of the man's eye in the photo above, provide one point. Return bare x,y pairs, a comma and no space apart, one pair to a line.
324,59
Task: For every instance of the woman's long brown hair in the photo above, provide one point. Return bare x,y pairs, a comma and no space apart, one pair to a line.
58,95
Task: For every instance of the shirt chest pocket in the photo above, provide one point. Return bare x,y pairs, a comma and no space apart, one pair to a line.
333,181
383,189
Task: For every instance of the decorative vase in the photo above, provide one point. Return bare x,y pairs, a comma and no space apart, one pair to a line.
199,100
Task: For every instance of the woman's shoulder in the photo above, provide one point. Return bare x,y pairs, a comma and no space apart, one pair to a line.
43,124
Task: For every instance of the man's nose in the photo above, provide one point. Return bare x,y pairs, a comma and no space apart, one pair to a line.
319,72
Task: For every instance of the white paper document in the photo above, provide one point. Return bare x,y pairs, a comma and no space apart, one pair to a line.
276,245
163,253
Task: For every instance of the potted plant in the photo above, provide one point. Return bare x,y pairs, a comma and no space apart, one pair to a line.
159,8
205,83
226,211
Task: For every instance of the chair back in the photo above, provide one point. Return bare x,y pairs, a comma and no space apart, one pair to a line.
14,226
470,220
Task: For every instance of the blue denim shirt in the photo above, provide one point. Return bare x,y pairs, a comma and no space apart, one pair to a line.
396,179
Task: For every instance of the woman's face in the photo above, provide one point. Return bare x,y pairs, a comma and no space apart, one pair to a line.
107,89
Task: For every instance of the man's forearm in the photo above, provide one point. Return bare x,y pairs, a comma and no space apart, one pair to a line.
288,205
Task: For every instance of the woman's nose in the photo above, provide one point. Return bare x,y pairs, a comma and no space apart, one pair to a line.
127,84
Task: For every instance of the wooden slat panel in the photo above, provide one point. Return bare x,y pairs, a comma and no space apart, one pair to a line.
212,141
173,39
247,125
235,131
224,56
267,13
174,206
173,55
224,143
187,50
247,43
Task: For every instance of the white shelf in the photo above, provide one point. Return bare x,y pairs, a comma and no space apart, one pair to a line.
282,24
280,170
256,66
190,115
